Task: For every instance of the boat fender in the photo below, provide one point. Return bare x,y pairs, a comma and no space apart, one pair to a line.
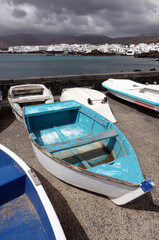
90,101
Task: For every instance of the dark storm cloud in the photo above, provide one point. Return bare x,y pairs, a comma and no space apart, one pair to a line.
109,17
83,7
18,13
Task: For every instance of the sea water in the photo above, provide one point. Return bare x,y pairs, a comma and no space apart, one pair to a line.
35,65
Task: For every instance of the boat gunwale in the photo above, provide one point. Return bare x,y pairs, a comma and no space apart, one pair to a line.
75,168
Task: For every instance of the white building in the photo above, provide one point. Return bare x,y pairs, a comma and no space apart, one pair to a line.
88,48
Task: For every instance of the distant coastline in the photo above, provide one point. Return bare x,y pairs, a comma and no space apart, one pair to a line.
152,54
136,50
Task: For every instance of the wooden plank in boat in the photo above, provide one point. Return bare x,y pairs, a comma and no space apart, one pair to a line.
80,141
27,88
29,99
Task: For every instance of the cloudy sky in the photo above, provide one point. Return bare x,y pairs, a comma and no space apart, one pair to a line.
113,18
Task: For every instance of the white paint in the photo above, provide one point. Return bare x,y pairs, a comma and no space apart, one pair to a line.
81,95
15,101
117,192
133,91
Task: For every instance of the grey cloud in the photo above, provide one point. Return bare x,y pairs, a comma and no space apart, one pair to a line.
111,17
83,7
19,13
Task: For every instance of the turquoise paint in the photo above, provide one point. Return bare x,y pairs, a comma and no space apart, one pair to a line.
132,96
43,109
120,168
78,142
62,123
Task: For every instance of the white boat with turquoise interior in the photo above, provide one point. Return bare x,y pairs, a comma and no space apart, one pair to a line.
140,94
82,148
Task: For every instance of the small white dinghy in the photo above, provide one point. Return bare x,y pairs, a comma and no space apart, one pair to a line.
28,94
91,98
140,94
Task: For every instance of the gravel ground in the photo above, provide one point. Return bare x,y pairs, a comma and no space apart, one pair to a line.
88,216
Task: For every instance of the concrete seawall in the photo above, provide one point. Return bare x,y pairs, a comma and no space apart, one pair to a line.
57,83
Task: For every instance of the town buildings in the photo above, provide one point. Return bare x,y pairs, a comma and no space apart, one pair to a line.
88,48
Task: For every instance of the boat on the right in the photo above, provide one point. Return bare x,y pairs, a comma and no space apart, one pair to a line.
154,86
140,94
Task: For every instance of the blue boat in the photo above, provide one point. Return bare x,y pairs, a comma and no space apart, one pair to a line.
25,210
82,148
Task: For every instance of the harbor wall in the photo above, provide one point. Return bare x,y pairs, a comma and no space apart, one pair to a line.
57,83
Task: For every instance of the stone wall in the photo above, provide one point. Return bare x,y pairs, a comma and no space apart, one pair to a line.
57,83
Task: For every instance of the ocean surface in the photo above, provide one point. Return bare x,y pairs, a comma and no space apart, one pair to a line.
34,65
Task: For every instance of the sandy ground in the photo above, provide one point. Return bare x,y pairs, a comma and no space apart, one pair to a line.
84,215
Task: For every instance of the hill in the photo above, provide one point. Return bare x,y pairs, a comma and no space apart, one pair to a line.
46,39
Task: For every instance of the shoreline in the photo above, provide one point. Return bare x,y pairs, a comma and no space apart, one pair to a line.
152,54
95,52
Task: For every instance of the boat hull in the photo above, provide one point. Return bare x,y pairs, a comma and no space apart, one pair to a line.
135,101
119,193
98,102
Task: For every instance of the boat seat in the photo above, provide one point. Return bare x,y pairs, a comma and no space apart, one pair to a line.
29,99
50,108
120,168
80,141
12,183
